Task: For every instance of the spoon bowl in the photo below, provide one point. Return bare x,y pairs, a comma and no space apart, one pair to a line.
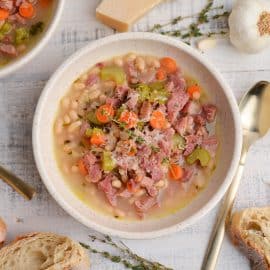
255,112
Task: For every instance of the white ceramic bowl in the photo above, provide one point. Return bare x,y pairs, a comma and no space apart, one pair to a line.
190,61
27,57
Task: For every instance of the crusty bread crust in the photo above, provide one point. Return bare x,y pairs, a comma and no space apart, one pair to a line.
43,251
250,230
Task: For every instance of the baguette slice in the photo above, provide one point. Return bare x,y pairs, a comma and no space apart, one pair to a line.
250,230
43,251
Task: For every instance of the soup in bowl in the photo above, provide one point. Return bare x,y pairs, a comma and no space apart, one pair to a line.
129,139
25,26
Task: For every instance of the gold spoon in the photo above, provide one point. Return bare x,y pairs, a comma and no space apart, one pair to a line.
255,118
17,184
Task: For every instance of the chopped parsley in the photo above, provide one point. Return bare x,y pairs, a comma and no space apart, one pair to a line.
155,149
36,28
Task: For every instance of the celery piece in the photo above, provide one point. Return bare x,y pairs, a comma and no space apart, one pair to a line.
21,35
108,163
91,117
179,142
113,73
199,154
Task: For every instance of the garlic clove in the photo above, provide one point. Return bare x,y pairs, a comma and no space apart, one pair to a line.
3,231
206,44
249,24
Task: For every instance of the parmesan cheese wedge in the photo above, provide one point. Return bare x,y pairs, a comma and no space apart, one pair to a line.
121,14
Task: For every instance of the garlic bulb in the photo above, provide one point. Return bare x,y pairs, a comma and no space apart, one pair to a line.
249,25
3,231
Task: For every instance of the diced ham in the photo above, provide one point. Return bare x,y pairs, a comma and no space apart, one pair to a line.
8,49
210,144
176,103
84,127
178,81
168,134
132,99
145,204
184,125
110,192
131,71
192,108
125,194
95,173
91,80
191,142
17,18
200,120
146,111
165,146
114,102
148,184
202,132
121,92
148,76
6,4
93,168
210,112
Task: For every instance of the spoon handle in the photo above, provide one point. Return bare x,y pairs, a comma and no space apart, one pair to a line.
215,243
17,184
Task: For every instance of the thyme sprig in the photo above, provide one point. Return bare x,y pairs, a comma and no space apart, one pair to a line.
128,258
194,29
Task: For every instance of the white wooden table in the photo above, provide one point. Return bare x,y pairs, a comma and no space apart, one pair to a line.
18,97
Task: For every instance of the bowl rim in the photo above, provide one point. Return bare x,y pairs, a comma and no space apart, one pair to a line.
17,64
230,173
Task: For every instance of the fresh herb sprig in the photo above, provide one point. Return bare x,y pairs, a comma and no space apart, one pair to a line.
127,258
194,29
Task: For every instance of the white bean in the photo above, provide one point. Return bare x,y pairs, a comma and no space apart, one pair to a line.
94,70
74,126
59,126
65,102
102,98
78,86
73,115
116,183
118,61
152,62
74,169
139,193
131,57
67,148
160,184
67,119
94,94
140,63
74,104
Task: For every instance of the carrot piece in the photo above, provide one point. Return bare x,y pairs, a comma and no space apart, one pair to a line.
130,119
131,187
27,10
45,3
97,139
161,74
168,64
158,120
175,172
3,14
104,113
194,91
82,167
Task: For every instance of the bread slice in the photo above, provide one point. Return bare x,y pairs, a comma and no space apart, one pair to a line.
250,230
43,251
